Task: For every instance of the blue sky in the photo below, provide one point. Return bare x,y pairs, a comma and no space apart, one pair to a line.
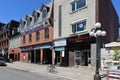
17,9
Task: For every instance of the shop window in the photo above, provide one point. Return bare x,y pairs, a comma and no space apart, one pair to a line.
37,36
78,26
46,33
77,4
30,37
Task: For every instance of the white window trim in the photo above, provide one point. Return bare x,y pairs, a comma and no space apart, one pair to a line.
86,4
46,14
77,21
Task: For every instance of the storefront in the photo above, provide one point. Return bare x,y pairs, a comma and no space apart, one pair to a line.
14,54
27,54
79,49
43,53
60,50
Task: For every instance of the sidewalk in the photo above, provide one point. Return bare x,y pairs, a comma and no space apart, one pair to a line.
68,73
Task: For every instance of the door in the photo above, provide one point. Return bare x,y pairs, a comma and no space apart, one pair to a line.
77,57
85,57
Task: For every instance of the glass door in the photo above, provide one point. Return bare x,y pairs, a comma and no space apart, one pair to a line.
77,57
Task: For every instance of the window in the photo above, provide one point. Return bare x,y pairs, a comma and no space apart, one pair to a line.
46,33
60,20
44,13
24,40
73,6
77,4
36,16
37,36
79,26
30,37
23,23
29,21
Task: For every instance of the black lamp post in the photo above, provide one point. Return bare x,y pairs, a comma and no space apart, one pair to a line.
96,32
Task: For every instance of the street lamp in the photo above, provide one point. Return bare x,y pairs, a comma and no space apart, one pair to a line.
96,32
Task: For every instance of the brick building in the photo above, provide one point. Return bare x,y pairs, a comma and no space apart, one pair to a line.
5,32
37,36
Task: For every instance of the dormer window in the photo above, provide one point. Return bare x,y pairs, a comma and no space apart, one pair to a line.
36,16
44,13
22,24
29,21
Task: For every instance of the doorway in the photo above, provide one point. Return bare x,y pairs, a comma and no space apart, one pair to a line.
82,57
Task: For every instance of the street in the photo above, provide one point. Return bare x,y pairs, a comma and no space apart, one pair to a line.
12,74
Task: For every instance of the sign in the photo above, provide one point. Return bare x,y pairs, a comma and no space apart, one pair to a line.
35,27
81,38
61,42
43,46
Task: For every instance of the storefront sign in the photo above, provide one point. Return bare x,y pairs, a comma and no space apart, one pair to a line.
36,27
81,38
43,46
61,42
26,48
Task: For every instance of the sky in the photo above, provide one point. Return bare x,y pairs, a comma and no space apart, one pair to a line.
17,9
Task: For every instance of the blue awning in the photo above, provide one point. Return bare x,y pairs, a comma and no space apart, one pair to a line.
44,46
59,48
26,49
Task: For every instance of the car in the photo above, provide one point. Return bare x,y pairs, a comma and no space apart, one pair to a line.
2,62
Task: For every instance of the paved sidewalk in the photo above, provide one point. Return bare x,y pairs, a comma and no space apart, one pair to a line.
64,73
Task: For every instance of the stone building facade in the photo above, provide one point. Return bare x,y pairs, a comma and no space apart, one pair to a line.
73,20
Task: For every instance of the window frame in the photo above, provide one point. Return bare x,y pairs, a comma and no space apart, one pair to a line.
30,38
75,30
37,35
29,21
44,15
75,2
46,33
36,17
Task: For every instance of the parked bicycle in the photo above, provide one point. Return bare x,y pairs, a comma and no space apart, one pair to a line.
51,68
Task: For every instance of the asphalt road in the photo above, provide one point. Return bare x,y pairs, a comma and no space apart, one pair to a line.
12,74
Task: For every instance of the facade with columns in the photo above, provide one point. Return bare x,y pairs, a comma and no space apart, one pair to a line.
37,36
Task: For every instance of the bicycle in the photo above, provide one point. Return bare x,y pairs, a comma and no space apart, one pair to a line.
51,68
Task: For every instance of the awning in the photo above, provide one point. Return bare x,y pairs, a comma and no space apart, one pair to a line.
26,49
59,48
43,46
113,44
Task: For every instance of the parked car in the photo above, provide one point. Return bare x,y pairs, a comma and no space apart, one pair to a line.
2,62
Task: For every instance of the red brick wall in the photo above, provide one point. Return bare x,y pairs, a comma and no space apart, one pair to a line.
42,40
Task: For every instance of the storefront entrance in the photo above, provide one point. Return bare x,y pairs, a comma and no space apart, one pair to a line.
47,56
82,57
58,58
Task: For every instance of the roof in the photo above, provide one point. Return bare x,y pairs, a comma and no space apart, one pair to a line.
113,44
